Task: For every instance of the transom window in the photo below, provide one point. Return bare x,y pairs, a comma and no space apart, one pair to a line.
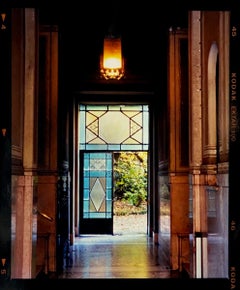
113,127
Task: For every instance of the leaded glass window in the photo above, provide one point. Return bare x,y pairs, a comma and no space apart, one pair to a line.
113,127
97,191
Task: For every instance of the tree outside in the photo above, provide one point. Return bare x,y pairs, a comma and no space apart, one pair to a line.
130,182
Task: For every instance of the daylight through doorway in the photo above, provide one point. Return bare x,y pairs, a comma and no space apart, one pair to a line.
130,192
113,152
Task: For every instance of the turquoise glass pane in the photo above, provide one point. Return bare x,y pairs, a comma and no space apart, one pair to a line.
109,172
98,155
109,194
99,215
95,147
97,174
114,147
136,147
86,193
109,205
85,206
108,215
86,181
109,183
86,161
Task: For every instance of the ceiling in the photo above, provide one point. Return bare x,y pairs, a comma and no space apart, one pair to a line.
143,27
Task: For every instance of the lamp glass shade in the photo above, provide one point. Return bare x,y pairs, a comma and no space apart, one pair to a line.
112,62
112,53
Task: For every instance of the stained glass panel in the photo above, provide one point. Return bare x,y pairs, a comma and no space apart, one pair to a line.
113,127
97,199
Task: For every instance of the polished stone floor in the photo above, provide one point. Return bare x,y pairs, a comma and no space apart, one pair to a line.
117,256
130,253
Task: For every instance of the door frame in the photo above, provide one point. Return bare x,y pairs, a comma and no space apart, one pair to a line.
123,97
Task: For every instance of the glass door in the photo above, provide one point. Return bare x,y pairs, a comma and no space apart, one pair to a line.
96,204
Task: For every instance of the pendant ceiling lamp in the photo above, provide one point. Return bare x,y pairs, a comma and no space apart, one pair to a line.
112,62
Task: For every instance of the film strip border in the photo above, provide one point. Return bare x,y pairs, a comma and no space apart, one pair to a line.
5,146
234,152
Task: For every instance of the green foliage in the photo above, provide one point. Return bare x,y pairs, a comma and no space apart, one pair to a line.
130,177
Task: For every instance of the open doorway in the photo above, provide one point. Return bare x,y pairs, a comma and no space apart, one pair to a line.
130,192
107,133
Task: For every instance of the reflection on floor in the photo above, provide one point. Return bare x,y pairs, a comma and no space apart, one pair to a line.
131,253
117,256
